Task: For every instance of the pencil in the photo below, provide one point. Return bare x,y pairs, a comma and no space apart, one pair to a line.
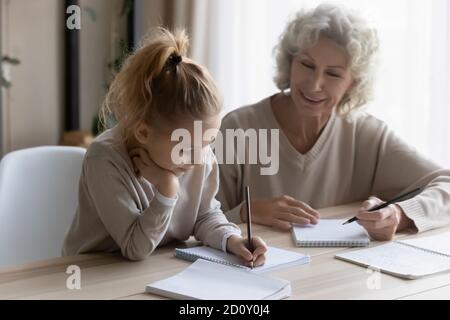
249,221
402,197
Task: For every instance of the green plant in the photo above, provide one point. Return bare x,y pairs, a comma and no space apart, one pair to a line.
127,7
4,81
114,67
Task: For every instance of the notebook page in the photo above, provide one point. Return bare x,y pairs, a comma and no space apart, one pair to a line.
330,231
208,280
399,259
438,243
275,258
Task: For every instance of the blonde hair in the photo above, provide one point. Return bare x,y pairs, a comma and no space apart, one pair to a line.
349,31
159,85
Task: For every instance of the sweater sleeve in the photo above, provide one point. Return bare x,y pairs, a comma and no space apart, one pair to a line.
137,232
212,227
230,195
400,168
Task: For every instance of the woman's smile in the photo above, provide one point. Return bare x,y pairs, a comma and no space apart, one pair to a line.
311,100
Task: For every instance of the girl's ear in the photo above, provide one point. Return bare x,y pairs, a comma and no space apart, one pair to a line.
143,133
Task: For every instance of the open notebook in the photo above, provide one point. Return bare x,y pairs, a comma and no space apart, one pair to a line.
330,233
411,259
213,281
275,258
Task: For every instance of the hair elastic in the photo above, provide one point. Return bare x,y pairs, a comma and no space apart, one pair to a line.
174,59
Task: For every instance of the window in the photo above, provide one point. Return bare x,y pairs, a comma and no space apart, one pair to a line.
412,92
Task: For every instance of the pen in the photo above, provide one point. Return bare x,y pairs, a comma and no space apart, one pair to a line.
249,221
402,197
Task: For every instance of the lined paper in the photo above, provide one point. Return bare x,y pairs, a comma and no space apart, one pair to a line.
330,232
213,281
276,258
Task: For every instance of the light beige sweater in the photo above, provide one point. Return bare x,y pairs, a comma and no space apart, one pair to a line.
116,211
350,161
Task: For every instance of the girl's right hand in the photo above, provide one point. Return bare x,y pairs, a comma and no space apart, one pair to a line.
281,212
164,180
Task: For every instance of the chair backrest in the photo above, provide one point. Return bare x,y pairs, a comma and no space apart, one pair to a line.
38,199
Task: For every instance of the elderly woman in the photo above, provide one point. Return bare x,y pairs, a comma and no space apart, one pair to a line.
331,152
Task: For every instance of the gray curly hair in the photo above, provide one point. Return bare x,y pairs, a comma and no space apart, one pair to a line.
349,31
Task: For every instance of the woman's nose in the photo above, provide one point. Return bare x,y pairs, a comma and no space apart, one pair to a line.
316,82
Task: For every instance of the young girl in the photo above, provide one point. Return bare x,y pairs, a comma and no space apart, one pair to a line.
133,195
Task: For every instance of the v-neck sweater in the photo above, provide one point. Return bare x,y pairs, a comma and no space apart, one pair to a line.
352,159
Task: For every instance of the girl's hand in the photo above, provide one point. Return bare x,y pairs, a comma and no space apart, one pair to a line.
238,246
164,180
281,212
382,224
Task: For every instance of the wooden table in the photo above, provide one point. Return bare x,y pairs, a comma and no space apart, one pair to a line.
106,276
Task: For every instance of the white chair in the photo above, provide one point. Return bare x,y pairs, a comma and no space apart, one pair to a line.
38,199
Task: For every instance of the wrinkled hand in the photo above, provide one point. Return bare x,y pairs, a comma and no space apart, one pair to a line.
384,223
164,180
281,212
238,246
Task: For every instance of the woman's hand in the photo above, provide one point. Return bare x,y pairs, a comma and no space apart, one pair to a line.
281,212
164,180
238,246
384,223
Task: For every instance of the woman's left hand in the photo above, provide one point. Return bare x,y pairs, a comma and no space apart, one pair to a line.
382,224
238,246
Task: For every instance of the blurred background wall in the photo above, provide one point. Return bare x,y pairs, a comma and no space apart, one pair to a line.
234,39
31,107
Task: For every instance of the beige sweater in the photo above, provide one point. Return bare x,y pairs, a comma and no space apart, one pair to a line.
350,161
116,211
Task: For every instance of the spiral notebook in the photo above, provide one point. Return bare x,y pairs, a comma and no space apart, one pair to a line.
330,233
276,258
410,259
213,281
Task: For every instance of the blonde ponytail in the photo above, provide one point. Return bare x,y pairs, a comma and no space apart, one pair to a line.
159,84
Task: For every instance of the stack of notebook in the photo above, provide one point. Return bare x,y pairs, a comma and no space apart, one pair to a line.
223,276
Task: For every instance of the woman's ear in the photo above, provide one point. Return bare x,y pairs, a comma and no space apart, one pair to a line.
350,88
143,133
